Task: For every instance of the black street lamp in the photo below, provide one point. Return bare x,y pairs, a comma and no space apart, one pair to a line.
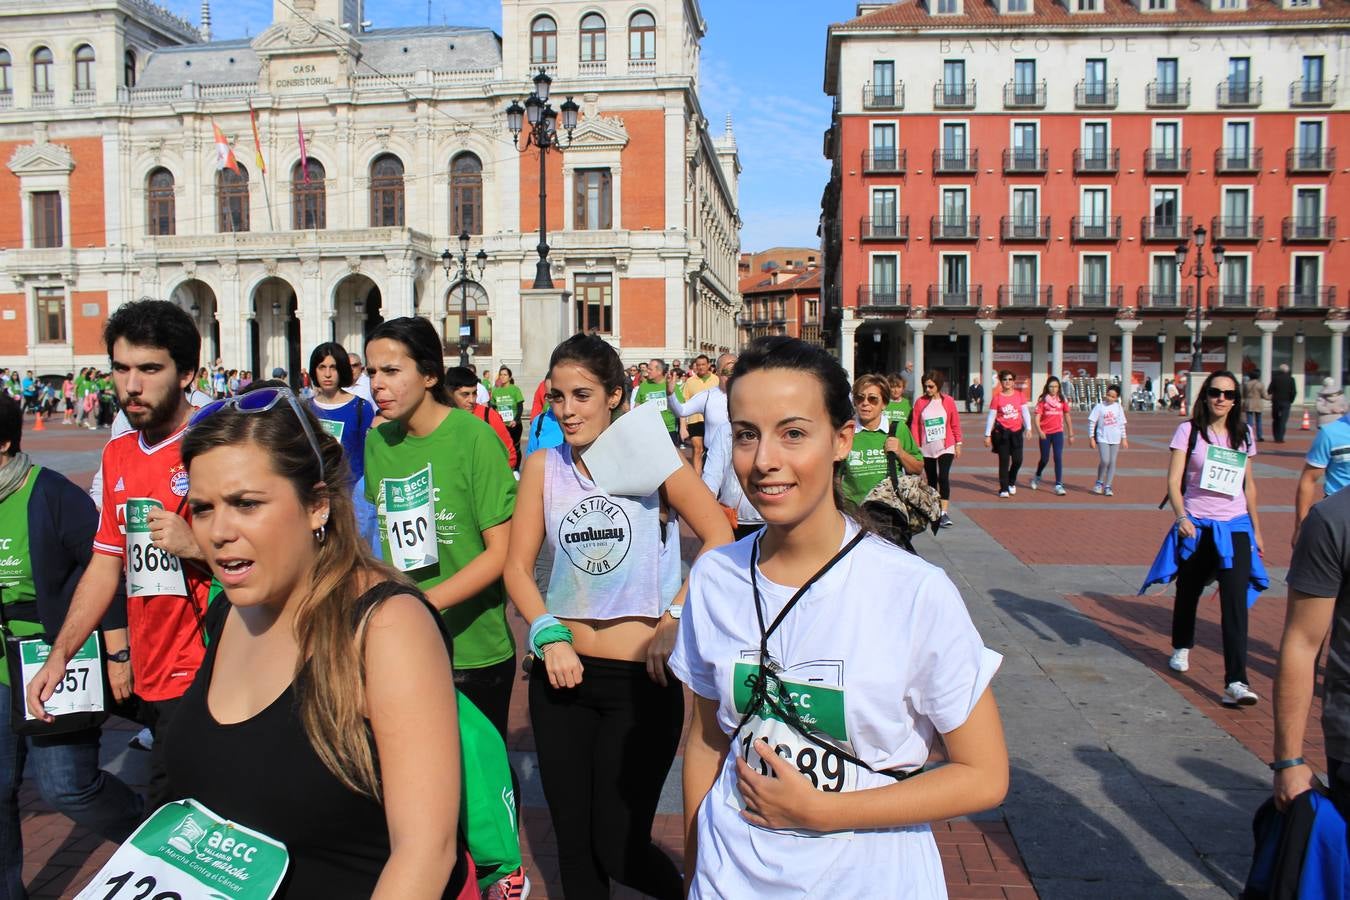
540,123
1199,270
448,263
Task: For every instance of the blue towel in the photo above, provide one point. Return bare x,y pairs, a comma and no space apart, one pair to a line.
1175,548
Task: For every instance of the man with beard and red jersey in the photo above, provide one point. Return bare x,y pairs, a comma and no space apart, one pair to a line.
154,347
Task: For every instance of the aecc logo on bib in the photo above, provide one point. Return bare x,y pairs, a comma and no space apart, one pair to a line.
596,535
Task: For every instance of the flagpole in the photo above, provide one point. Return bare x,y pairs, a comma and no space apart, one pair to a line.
262,166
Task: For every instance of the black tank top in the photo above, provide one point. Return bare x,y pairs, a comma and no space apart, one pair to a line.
264,774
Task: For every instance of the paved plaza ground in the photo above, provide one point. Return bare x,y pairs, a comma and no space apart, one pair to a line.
1128,780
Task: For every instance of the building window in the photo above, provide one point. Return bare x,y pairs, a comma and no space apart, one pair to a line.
159,204
1314,69
1239,79
84,68
232,200
642,36
1095,286
1095,215
309,197
46,216
884,212
51,315
883,143
592,38
42,71
883,82
1237,144
1026,212
948,7
595,303
129,69
1094,82
1088,5
953,145
466,194
593,199
1026,278
543,41
6,78
1016,6
954,82
1234,280
386,192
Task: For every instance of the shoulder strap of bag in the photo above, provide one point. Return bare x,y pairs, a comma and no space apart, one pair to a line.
1190,450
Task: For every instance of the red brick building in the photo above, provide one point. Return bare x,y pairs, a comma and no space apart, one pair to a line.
781,301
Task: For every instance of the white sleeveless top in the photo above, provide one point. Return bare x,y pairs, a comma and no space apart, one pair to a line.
612,558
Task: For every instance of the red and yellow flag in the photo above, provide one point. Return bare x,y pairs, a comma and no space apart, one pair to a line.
257,144
224,154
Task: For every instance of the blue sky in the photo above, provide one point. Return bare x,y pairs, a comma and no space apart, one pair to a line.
762,63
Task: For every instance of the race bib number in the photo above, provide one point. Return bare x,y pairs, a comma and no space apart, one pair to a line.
659,401
1223,471
410,520
80,691
184,852
507,411
151,571
333,427
934,430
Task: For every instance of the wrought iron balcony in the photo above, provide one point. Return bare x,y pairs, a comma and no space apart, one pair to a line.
1236,297
1310,159
1166,228
1165,296
962,296
1236,94
1095,228
1312,93
1096,94
889,161
1025,228
954,95
950,161
1096,161
885,96
883,296
1025,295
1237,159
881,228
1300,296
955,228
1020,95
1309,228
1238,228
1173,161
1168,95
1096,296
1026,161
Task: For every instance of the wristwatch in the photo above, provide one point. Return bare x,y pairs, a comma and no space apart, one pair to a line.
121,656
676,610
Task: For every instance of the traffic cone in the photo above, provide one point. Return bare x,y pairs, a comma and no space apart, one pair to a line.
38,426
1307,423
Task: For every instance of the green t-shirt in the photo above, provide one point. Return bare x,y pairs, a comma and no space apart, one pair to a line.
16,563
509,403
655,392
866,463
898,411
473,490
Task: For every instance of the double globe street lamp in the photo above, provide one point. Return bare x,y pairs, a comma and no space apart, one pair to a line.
448,263
542,122
1199,270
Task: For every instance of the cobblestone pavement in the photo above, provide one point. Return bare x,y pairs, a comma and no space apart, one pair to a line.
1129,780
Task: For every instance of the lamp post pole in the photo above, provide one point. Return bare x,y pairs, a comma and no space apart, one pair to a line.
539,121
1198,269
464,273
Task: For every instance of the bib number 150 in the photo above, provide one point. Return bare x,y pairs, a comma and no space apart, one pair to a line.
144,889
407,533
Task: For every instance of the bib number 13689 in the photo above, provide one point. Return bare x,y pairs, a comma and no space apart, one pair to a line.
144,889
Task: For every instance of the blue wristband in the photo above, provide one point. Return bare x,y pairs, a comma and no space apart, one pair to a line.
541,624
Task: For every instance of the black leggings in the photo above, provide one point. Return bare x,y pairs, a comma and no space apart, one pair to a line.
1195,573
938,471
1009,458
604,751
489,689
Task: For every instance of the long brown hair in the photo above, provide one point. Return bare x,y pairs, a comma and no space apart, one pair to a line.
330,671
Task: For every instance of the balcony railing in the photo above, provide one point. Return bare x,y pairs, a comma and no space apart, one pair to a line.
1025,295
1168,95
1237,159
1309,228
1095,228
1166,228
1165,296
955,228
947,160
1025,228
1236,297
1310,159
954,95
1020,95
1300,297
962,296
43,99
1096,296
1237,228
6,99
1312,93
1096,161
893,228
591,68
888,296
1026,161
1096,94
1174,161
641,66
890,161
1233,94
886,96
85,97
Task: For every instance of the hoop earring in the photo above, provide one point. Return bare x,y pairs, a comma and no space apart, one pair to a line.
321,534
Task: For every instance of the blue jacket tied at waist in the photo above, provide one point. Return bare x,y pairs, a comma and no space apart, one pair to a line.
1175,549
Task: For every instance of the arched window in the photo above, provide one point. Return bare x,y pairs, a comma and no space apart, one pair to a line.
543,41
42,71
309,201
6,77
386,192
642,36
84,68
232,200
159,203
466,194
592,38
129,69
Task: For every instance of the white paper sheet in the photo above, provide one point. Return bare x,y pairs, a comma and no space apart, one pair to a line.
634,455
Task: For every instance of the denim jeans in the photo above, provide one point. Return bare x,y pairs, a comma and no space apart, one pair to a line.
1254,423
69,779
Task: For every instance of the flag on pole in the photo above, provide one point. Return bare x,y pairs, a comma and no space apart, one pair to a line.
304,154
224,155
257,144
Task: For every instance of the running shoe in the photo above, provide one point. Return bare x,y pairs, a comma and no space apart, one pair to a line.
1180,661
1059,490
1035,484
1238,694
945,521
143,740
1003,493
1097,488
1108,492
515,886
1012,489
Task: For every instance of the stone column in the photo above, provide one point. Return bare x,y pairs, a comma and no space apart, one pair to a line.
234,319
1268,328
312,307
544,324
1127,329
987,329
848,334
402,298
919,326
1057,329
1338,328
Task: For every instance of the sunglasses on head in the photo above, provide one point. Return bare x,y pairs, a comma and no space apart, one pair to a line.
1215,393
260,401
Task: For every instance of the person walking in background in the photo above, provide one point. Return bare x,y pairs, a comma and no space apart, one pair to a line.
936,428
975,396
898,408
346,417
702,379
463,387
1331,403
1051,423
1283,393
654,389
509,402
1254,397
866,463
1328,456
1008,420
1106,434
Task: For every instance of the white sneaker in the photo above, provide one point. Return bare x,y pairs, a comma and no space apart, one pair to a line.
1059,490
1097,488
1180,661
1003,493
1035,484
1238,694
1012,489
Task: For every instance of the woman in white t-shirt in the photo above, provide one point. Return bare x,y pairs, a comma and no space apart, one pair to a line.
815,694
1106,433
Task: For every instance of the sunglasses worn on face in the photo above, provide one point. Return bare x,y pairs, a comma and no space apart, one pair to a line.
261,401
1215,393
866,398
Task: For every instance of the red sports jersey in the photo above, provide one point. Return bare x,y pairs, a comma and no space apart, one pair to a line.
166,641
